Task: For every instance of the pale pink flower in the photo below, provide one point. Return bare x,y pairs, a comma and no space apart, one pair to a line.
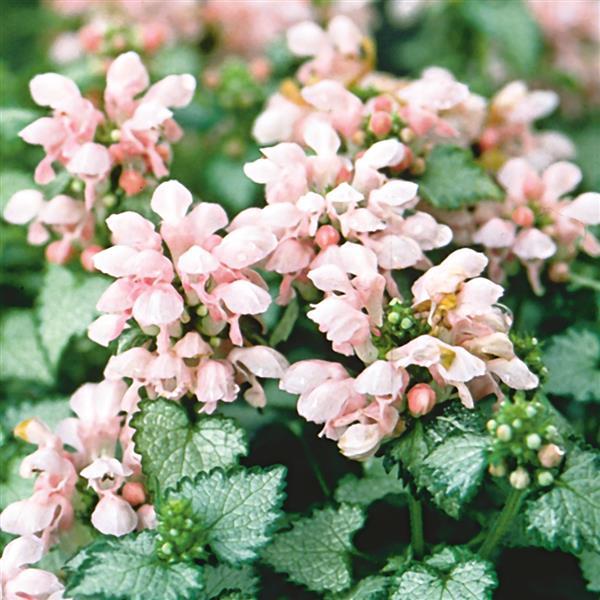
19,580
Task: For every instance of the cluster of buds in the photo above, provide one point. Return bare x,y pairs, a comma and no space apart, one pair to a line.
129,138
526,446
180,534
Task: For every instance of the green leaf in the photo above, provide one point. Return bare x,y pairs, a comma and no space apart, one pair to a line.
15,119
376,483
446,455
590,565
173,448
14,487
238,508
510,27
12,182
453,471
23,356
375,587
51,411
126,568
449,574
225,179
285,326
66,306
225,578
315,551
573,363
453,180
568,516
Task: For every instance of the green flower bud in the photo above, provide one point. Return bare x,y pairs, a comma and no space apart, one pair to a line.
504,433
545,478
517,423
551,431
519,478
202,311
406,323
497,470
531,411
393,318
491,425
533,441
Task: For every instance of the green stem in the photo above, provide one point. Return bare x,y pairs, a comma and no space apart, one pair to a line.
586,282
502,523
415,511
297,431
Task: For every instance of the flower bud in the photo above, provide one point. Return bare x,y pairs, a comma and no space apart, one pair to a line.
519,478
421,399
531,411
380,123
497,470
533,441
59,252
523,216
517,423
132,182
134,493
87,257
491,425
545,478
504,433
327,236
550,455
533,187
393,318
559,272
383,103
489,139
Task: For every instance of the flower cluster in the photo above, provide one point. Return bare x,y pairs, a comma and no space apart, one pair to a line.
129,138
454,339
526,444
186,288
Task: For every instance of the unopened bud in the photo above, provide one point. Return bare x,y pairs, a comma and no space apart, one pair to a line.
133,492
202,311
550,455
559,272
519,478
87,257
326,236
421,399
530,411
497,470
551,431
517,423
523,216
115,135
407,135
545,478
533,441
380,123
383,103
132,182
393,318
59,252
504,433
491,425
109,200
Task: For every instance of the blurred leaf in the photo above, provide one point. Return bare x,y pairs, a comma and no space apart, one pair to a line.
23,356
510,26
573,363
66,306
453,180
590,565
12,182
225,578
12,120
226,180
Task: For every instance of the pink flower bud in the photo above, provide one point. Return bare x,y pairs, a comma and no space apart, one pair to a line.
550,455
383,103
132,182
380,123
90,38
327,236
405,163
134,493
154,36
559,272
533,187
260,68
344,175
59,252
421,399
523,216
489,139
87,257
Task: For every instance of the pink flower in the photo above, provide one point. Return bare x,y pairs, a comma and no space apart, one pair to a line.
18,580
